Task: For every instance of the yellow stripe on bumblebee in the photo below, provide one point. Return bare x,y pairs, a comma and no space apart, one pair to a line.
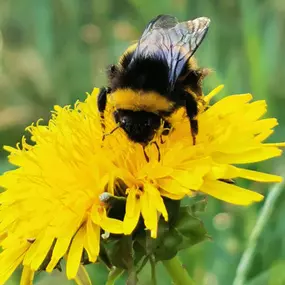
129,99
130,49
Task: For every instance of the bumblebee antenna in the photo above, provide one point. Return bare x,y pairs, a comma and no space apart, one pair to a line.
105,135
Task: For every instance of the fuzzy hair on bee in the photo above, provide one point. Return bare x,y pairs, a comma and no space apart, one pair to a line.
155,77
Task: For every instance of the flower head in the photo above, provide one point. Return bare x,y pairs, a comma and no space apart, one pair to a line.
51,205
52,198
230,133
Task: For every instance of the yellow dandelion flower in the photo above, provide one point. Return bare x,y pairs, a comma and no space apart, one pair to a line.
51,201
231,132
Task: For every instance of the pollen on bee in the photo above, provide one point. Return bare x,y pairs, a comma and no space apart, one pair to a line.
104,197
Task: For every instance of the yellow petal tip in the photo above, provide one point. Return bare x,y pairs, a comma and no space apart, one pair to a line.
213,93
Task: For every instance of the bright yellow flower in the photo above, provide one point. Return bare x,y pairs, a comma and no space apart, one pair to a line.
230,132
52,200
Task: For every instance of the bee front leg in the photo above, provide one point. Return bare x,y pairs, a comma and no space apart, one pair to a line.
145,155
191,106
194,129
101,104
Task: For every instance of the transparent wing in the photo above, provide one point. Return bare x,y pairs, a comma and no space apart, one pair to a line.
174,42
160,22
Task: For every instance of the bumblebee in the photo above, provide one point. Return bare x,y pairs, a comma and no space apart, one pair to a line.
155,77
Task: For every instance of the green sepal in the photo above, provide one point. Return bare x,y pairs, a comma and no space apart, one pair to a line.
190,228
119,251
172,207
197,203
168,247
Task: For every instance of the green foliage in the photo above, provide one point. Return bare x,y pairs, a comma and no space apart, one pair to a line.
52,52
183,230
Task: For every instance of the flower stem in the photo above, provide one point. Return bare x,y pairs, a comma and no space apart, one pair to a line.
153,272
177,272
246,259
114,274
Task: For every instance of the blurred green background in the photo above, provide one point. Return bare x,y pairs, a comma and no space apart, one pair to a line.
52,52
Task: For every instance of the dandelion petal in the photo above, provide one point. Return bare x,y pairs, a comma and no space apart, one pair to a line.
258,176
149,213
92,240
74,254
132,211
59,250
230,193
112,225
27,276
255,155
10,259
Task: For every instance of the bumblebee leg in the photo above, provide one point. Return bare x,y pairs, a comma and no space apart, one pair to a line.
145,155
158,150
167,127
192,111
194,129
101,104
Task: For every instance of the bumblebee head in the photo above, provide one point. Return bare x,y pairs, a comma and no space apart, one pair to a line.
140,126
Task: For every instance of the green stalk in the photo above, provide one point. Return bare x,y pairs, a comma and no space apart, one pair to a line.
114,274
177,272
153,272
262,220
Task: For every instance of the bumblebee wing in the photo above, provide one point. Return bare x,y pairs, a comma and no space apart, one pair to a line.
186,37
154,37
171,41
160,22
